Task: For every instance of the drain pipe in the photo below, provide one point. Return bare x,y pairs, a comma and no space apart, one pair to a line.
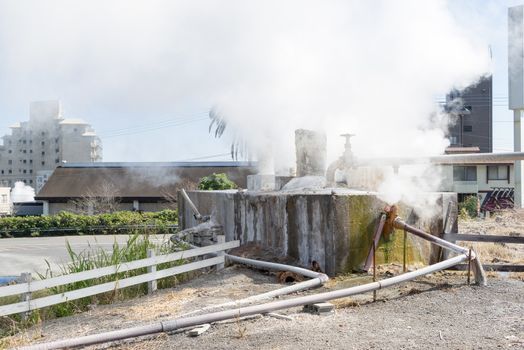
480,275
185,322
317,280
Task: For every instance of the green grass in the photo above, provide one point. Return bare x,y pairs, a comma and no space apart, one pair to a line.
135,248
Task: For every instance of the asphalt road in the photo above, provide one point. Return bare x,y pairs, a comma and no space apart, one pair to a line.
19,255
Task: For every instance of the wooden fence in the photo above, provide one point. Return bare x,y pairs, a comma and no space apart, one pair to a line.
25,289
453,237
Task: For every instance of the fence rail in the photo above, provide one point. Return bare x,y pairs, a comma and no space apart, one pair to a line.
453,237
25,289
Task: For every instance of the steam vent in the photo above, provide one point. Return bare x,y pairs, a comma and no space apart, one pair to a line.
333,226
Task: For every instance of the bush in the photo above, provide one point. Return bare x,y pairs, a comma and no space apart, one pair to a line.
468,208
215,182
67,223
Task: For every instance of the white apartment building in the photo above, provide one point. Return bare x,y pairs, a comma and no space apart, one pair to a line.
36,147
5,201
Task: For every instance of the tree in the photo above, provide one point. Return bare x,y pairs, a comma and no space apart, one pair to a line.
102,199
216,182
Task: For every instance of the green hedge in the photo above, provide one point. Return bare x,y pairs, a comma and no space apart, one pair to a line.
67,223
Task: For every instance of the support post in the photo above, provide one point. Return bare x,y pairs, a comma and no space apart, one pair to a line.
221,239
25,277
405,257
469,266
151,285
519,164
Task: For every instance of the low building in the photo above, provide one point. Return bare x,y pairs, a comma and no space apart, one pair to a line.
492,182
5,201
129,186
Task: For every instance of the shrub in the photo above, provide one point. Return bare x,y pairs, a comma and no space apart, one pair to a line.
468,208
68,223
215,182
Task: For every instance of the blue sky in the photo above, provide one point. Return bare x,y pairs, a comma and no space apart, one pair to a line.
139,115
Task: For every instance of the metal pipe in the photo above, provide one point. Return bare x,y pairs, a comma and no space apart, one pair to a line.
376,239
179,323
480,275
402,225
443,159
196,213
317,280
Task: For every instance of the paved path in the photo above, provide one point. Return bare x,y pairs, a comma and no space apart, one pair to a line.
19,255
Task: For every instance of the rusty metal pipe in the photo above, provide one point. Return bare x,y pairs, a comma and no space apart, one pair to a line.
398,223
376,239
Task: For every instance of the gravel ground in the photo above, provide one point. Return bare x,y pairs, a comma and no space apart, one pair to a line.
437,311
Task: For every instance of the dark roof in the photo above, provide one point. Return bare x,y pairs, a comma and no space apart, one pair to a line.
230,164
134,180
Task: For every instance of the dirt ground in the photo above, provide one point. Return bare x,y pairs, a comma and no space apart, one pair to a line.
437,311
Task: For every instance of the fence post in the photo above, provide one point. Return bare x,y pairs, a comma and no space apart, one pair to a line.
25,277
221,239
151,285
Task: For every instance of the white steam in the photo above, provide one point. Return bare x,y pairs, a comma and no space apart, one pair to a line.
22,193
372,68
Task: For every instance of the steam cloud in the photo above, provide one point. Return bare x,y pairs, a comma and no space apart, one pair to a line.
22,193
372,68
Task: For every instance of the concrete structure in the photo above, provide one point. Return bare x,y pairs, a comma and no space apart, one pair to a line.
333,227
311,153
5,201
471,113
129,186
516,90
36,147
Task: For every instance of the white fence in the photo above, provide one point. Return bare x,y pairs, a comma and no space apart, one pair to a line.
25,289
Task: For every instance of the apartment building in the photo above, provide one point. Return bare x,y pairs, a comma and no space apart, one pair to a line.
36,147
471,116
5,201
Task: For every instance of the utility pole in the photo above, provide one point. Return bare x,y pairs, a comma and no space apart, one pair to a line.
516,90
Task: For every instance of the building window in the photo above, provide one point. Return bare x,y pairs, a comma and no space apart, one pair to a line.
43,133
4,198
30,181
30,151
56,140
2,171
30,171
43,143
468,128
10,171
57,160
498,172
10,151
43,163
57,150
30,161
25,161
25,171
43,153
464,173
10,161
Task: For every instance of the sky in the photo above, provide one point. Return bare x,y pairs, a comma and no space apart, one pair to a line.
142,72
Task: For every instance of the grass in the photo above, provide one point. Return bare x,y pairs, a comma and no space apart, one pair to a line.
135,248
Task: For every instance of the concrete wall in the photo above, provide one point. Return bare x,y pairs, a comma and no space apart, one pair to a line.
334,230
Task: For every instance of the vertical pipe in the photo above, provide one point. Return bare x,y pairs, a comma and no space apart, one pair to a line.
374,270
